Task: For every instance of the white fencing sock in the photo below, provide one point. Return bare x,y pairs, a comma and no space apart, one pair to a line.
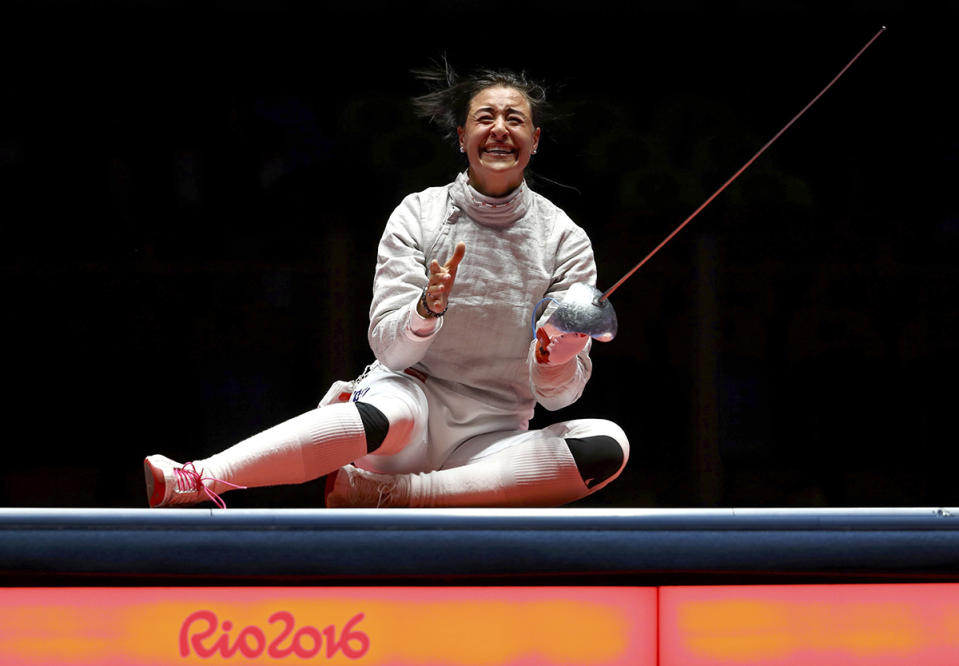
304,448
541,472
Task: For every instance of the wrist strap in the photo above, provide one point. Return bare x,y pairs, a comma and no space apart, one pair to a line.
430,313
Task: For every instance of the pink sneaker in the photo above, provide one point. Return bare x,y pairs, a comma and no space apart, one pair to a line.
169,483
351,486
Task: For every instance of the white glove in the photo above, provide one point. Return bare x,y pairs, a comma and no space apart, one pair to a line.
554,347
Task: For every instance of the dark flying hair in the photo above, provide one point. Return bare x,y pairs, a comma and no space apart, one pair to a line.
447,102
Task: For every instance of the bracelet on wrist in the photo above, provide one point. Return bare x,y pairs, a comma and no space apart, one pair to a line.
430,313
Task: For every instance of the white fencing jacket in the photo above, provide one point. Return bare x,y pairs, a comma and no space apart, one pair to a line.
519,249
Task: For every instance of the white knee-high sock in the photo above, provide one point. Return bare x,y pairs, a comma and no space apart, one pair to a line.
536,473
304,448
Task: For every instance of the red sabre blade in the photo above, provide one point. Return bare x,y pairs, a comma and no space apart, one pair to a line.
743,168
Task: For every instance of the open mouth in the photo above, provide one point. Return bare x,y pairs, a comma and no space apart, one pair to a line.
499,151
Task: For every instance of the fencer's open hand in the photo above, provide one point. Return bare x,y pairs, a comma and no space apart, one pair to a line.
555,348
441,282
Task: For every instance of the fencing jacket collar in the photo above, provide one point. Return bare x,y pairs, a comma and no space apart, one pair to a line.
490,211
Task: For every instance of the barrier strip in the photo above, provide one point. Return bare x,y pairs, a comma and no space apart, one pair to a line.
741,625
387,625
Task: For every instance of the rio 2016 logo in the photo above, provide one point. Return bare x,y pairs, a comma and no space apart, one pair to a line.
251,641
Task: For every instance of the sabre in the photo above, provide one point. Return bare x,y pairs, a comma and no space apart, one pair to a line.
585,309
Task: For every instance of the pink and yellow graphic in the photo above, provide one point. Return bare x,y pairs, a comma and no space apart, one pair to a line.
773,625
386,625
825,625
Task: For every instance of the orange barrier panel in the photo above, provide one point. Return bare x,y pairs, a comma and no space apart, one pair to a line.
774,625
384,625
787,625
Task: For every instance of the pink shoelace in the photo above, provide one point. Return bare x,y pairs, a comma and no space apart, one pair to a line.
188,479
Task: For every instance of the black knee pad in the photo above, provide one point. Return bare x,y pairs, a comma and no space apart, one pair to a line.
597,458
375,425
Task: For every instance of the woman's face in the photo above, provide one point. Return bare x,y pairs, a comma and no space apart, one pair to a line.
498,138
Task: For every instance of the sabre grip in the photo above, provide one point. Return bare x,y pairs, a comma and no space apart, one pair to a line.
558,349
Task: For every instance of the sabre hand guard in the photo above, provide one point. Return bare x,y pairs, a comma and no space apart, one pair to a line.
583,310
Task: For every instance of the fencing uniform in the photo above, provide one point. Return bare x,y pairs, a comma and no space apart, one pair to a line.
473,379
441,417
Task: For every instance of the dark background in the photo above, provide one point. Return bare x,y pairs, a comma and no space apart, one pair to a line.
192,194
